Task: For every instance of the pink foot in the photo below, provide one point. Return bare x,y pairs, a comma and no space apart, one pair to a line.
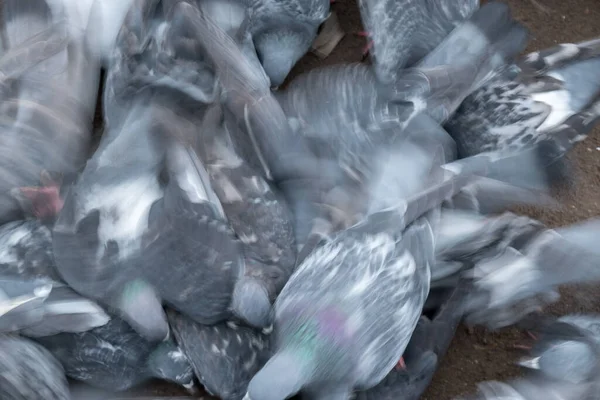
42,201
401,365
45,201
524,346
532,335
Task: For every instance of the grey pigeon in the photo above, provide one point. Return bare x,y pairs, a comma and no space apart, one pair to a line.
568,348
403,32
324,103
550,98
526,272
114,357
225,356
35,300
282,156
347,313
281,31
30,372
429,343
49,96
533,388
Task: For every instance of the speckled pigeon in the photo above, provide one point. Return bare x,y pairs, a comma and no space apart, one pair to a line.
429,343
371,281
550,98
225,356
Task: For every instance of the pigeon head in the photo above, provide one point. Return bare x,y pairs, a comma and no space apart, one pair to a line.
283,376
312,344
251,302
168,362
279,49
142,309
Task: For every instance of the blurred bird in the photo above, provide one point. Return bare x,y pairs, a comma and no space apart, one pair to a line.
29,371
506,283
49,97
401,33
550,98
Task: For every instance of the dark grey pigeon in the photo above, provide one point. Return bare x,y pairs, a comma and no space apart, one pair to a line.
114,357
429,343
35,301
50,87
533,388
346,315
255,210
550,98
524,274
224,356
568,348
30,372
402,32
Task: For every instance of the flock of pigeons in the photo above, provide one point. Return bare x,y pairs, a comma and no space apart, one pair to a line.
322,239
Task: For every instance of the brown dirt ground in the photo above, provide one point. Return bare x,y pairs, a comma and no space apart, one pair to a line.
478,355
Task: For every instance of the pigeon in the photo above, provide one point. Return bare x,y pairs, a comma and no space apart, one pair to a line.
404,32
224,356
29,371
114,357
550,98
154,50
255,210
429,343
281,31
48,100
346,315
532,388
515,280
99,232
568,348
123,219
36,302
372,115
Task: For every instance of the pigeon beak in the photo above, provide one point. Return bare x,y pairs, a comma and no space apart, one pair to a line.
247,397
530,363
